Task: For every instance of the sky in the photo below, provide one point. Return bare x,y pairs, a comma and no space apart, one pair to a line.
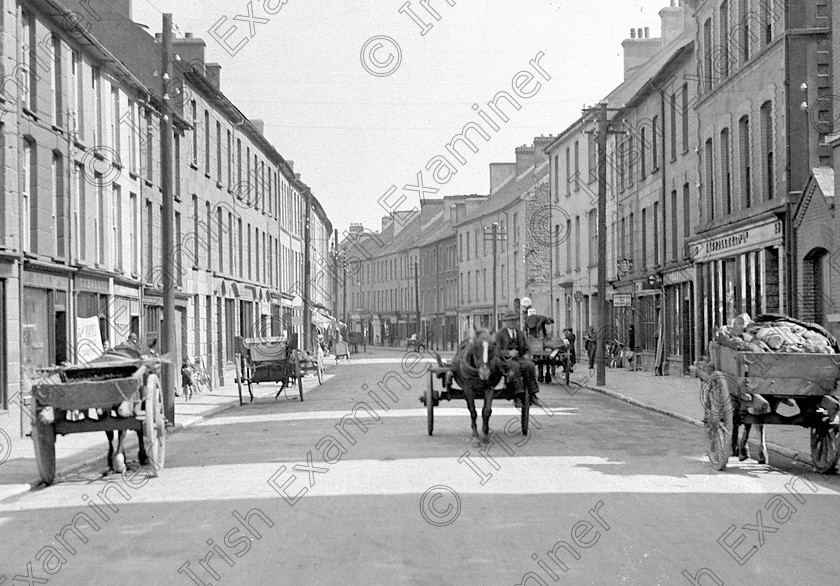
354,135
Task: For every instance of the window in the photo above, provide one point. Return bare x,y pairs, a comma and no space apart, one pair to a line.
29,77
28,197
674,226
642,147
515,228
150,146
76,92
116,227
707,54
746,161
179,253
515,283
655,233
194,112
208,214
723,62
577,243
221,236
623,237
59,211
592,156
710,180
674,126
230,244
631,249
643,236
132,232
744,30
99,221
97,105
150,236
685,118
621,146
248,175
195,237
767,149
568,246
467,239
133,136
686,214
57,93
238,165
654,146
568,172
207,143
115,120
229,152
593,238
725,171
766,22
577,165
631,161
556,169
218,152
243,250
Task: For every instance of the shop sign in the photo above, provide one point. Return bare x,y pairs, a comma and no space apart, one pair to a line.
89,344
92,285
622,300
737,242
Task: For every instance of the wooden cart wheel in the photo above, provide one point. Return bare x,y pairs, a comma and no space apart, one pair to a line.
718,407
154,427
526,409
430,404
43,438
825,449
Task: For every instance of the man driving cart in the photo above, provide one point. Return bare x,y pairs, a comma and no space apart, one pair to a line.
513,346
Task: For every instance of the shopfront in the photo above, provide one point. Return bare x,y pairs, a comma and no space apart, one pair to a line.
739,272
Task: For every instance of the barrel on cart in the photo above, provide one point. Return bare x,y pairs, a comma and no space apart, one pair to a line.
733,378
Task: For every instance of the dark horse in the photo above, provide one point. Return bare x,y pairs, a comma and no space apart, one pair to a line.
478,367
129,350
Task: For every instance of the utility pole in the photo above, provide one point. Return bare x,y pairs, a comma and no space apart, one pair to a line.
601,111
168,220
495,234
335,274
307,271
417,295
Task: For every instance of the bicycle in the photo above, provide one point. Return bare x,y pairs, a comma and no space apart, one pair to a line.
203,379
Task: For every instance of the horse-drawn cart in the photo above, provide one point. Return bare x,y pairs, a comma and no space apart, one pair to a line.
109,395
451,390
275,360
747,387
548,356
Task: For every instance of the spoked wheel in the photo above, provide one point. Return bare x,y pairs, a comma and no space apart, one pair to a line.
154,427
43,438
718,407
567,368
430,404
300,384
526,410
825,449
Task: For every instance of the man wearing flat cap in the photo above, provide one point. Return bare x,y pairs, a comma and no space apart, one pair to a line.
513,345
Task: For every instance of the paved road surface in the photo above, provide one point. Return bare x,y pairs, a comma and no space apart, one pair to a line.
280,492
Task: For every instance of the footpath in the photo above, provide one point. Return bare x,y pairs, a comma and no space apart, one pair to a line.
680,397
19,473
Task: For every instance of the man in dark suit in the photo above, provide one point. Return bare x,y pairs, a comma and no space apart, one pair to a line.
513,345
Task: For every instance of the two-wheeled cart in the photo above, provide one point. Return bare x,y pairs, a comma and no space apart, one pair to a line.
731,379
275,360
122,395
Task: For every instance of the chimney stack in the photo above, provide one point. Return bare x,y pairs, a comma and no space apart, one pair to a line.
673,21
259,125
639,49
213,73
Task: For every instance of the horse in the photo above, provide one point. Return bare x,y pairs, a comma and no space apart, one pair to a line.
129,350
536,325
478,367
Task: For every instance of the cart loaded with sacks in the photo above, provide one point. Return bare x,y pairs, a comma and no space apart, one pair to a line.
118,391
756,368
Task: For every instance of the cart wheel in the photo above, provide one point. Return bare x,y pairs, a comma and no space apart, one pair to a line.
718,407
526,410
154,427
430,404
567,368
300,386
43,438
825,449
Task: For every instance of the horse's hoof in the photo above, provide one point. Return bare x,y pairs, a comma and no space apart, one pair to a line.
119,463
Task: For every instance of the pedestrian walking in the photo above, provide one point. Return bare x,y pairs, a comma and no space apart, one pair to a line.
590,341
570,336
